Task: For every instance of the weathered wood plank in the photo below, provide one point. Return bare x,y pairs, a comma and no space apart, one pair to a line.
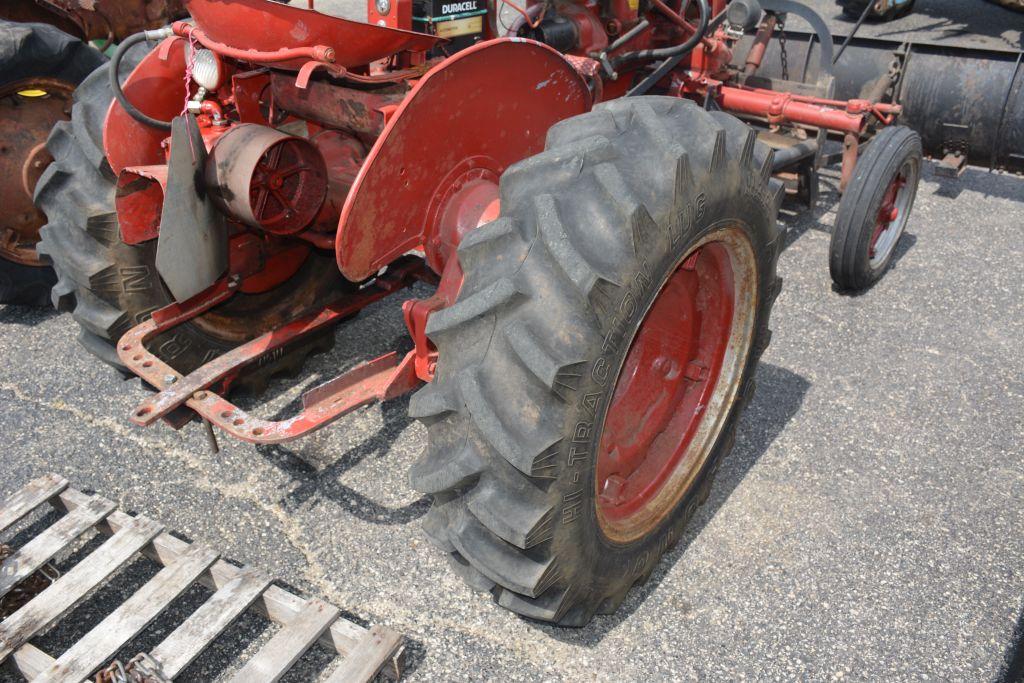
195,634
67,591
30,661
104,640
29,497
284,649
26,560
378,648
276,604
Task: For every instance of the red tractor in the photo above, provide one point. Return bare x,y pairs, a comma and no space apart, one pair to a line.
572,179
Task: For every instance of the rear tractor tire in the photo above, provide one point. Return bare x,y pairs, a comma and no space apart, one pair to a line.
875,209
39,68
594,366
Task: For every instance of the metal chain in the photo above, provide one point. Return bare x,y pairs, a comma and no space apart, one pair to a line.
140,669
783,55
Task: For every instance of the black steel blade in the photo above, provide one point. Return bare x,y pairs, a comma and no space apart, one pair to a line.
192,249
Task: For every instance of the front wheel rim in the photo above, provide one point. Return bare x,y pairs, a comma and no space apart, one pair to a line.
677,385
891,219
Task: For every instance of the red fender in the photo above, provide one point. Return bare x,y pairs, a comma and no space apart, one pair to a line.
475,113
157,88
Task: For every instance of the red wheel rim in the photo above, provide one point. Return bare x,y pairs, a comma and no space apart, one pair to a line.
889,214
656,433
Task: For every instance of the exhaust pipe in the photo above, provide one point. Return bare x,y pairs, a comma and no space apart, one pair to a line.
967,104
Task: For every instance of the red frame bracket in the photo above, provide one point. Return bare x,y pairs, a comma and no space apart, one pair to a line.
380,379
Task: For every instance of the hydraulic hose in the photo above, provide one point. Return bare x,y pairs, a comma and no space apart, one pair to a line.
675,50
115,83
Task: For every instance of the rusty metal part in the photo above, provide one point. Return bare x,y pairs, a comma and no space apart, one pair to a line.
110,20
851,150
266,179
140,669
28,110
357,111
761,40
380,379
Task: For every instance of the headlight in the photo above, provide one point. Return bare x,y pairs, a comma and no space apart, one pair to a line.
206,69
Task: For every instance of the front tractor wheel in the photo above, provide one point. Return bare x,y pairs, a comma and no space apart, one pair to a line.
593,368
875,208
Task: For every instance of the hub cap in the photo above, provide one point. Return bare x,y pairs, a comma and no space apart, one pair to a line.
28,110
676,386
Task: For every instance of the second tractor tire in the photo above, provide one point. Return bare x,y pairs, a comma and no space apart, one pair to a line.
554,290
31,52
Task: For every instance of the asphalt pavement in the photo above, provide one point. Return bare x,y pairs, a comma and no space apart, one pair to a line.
869,524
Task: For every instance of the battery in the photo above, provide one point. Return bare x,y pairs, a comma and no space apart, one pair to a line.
462,22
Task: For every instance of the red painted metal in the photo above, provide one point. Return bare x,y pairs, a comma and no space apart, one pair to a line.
399,14
292,55
782,107
139,200
764,35
270,27
343,156
888,213
157,88
666,380
508,93
383,378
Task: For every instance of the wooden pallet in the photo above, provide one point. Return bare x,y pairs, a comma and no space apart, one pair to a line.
304,622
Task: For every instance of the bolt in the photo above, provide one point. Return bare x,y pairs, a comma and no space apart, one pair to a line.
170,379
612,493
695,372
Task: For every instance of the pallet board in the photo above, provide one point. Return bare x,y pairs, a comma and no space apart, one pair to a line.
304,623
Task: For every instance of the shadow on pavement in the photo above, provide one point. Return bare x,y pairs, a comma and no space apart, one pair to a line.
1013,669
777,399
25,315
323,483
979,180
